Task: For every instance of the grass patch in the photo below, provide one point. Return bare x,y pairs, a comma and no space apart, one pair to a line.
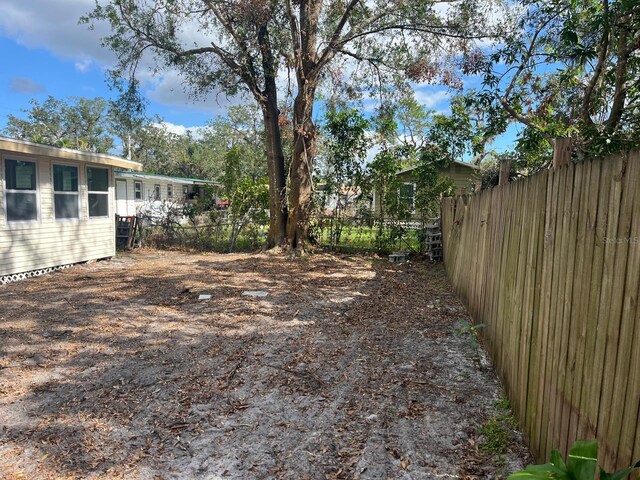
497,431
496,437
503,404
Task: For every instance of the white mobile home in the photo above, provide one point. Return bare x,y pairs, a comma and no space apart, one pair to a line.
135,190
57,206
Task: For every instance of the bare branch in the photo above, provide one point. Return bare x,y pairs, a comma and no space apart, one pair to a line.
504,99
329,51
602,57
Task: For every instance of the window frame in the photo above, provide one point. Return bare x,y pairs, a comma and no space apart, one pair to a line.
157,192
107,193
140,192
54,193
413,197
169,191
5,190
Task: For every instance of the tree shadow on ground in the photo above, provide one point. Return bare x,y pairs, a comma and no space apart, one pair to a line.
118,370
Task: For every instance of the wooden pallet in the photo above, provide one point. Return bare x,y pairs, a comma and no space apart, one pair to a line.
126,228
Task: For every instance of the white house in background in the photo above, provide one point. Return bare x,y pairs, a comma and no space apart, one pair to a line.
57,206
134,190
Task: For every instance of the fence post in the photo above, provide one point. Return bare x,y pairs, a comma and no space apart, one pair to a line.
505,169
562,148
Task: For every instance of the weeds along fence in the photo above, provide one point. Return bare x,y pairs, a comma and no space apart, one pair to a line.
347,234
367,234
218,237
551,265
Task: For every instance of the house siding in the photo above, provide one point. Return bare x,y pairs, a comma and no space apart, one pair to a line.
132,205
463,177
50,242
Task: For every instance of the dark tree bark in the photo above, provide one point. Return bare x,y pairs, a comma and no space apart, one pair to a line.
275,170
273,143
300,190
308,66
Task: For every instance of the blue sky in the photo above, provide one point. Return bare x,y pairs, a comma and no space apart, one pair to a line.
49,53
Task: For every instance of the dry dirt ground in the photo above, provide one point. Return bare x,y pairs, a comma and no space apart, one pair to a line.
349,368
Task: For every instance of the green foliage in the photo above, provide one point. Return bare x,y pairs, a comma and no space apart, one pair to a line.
363,235
242,47
472,332
498,430
382,179
248,198
345,150
503,403
346,146
127,114
204,156
78,123
347,143
568,69
467,328
581,464
490,172
496,436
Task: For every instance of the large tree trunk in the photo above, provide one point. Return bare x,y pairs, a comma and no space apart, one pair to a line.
304,133
273,143
300,186
277,180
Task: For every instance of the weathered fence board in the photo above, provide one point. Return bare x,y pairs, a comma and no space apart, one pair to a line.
551,265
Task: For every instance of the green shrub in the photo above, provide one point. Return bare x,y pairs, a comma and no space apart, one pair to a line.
581,464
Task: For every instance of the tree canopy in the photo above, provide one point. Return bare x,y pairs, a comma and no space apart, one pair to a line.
79,123
245,46
569,69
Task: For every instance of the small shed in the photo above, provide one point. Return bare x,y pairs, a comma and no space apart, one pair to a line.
135,189
465,178
57,206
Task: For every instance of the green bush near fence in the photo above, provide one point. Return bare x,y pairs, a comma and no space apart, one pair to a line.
347,236
203,238
581,464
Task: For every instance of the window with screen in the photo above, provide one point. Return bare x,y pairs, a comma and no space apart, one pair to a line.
156,192
137,190
407,195
98,187
170,191
21,190
66,201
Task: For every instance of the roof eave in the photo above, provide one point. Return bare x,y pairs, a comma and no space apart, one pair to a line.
30,148
179,180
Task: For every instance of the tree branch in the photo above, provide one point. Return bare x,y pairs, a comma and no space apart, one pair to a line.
239,41
295,37
602,57
330,50
504,99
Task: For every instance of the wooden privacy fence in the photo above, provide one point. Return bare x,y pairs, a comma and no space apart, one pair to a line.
551,265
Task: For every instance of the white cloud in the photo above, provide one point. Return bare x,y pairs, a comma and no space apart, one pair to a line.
83,66
196,132
429,98
54,26
25,85
169,89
